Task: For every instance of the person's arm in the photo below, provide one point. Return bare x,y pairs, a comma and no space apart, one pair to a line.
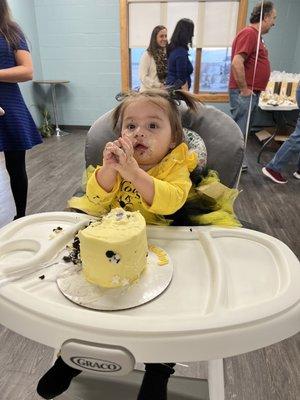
171,193
245,46
144,184
171,189
107,175
238,71
106,178
103,184
97,194
22,72
129,169
144,72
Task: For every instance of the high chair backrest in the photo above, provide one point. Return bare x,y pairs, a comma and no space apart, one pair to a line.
222,137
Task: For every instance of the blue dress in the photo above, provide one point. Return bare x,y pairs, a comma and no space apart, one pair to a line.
180,68
17,128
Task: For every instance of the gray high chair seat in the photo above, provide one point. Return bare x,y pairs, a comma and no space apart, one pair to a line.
221,135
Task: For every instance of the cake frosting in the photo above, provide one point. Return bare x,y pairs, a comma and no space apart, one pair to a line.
114,250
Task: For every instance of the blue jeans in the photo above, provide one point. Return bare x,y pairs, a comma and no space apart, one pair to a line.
290,146
239,106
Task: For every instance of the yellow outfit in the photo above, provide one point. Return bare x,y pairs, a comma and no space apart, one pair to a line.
213,203
172,184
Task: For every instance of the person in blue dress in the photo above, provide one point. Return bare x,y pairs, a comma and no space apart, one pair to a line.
18,132
180,68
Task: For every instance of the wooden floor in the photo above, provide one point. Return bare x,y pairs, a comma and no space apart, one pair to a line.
55,169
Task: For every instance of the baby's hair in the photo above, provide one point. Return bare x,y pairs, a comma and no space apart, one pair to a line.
168,100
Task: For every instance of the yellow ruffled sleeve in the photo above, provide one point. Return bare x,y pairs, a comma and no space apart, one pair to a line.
172,181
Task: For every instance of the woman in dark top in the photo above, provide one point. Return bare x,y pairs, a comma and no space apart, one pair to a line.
180,68
17,129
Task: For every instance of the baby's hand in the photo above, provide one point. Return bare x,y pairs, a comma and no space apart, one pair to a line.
127,166
130,134
110,158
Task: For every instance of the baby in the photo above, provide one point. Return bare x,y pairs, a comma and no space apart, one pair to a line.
148,167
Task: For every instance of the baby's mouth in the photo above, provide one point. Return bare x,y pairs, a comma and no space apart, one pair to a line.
140,147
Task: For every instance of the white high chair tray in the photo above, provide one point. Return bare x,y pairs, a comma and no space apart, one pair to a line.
232,291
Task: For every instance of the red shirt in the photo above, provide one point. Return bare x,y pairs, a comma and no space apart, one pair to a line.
246,42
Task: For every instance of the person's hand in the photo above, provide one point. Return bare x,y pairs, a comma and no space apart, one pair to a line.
131,135
109,157
126,164
246,92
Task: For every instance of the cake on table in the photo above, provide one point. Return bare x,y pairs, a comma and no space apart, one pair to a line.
114,250
281,89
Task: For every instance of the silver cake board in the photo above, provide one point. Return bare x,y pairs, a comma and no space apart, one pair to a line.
153,281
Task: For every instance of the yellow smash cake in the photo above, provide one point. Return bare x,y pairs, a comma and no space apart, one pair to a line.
114,250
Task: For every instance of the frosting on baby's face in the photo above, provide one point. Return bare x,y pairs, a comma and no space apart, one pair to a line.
148,127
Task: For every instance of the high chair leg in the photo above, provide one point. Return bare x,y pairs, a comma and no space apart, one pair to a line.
216,379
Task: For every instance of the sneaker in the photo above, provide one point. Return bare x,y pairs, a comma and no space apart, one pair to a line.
273,175
296,174
244,168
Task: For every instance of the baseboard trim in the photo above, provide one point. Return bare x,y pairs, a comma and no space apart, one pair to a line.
66,127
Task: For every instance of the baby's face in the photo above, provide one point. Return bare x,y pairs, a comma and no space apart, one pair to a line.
148,126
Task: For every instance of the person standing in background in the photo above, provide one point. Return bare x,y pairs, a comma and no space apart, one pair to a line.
243,75
18,132
153,63
291,146
180,68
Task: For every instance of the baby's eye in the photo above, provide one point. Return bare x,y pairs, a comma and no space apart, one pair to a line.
153,125
131,127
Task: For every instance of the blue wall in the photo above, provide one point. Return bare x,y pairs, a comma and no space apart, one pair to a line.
80,42
23,12
296,62
283,40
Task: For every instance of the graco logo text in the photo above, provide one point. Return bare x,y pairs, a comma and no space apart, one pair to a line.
96,365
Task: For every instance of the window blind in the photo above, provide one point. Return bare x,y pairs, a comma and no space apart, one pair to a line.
215,21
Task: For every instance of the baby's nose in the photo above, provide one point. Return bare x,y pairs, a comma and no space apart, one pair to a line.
138,133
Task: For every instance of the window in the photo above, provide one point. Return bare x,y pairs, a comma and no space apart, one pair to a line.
215,67
216,23
135,56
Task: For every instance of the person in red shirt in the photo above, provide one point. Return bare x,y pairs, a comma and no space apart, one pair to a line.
244,81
